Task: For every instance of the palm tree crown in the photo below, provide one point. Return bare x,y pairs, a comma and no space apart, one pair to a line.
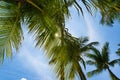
68,57
101,61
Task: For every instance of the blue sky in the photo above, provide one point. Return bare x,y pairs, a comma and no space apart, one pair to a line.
31,64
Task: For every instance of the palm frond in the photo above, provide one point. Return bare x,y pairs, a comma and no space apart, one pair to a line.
89,46
11,34
78,7
113,62
94,72
80,72
83,62
10,37
109,10
105,52
93,44
83,40
90,62
118,51
95,50
70,71
87,5
94,57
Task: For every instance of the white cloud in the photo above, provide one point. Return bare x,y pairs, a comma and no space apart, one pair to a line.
92,28
23,79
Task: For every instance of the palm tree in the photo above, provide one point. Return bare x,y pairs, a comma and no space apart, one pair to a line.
102,62
69,56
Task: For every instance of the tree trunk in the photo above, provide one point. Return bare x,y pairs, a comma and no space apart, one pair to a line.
113,76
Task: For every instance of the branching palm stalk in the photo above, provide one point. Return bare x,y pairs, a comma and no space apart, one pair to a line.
102,62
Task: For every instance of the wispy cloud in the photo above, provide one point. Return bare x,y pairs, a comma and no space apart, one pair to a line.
92,28
34,63
34,60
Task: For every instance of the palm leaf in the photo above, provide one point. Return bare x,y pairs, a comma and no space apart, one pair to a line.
90,62
118,52
94,72
87,5
113,62
93,56
105,52
80,72
109,10
78,7
11,34
89,46
10,37
83,40
83,62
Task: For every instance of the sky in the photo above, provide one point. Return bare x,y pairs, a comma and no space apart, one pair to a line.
30,63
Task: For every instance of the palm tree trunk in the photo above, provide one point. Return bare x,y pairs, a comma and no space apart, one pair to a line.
80,72
113,76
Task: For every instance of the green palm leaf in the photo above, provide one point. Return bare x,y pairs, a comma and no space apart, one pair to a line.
94,72
109,10
90,62
113,62
105,52
10,30
118,50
